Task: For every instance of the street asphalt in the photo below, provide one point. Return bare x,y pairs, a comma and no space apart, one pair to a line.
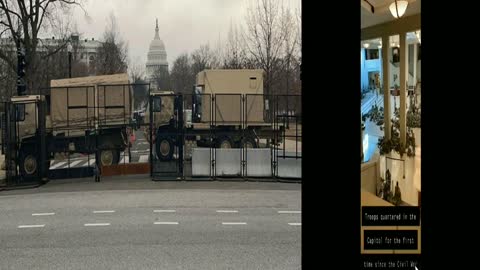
136,223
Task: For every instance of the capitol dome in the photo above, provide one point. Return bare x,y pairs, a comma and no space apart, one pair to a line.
157,56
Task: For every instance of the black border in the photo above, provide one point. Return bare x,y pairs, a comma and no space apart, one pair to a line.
331,178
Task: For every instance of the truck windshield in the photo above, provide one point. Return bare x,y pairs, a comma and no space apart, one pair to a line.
20,112
157,104
197,105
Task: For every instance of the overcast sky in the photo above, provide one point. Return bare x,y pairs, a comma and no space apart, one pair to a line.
184,24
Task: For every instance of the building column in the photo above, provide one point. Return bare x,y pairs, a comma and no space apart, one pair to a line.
415,61
380,73
403,87
386,87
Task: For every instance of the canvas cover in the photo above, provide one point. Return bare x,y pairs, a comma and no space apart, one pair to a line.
90,101
228,85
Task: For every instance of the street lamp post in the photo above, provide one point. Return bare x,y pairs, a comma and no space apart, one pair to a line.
69,49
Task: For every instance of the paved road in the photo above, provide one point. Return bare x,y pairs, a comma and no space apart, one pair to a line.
204,225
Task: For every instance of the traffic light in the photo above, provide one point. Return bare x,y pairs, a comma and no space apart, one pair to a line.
21,86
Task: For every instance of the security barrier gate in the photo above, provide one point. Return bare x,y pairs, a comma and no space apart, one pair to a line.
225,136
169,136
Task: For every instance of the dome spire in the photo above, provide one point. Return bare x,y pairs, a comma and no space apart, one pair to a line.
156,30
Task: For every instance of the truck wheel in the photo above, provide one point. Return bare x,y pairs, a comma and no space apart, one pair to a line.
28,164
108,155
249,142
164,148
224,142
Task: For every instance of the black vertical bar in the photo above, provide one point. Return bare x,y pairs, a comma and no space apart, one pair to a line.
241,130
210,131
68,107
87,126
272,150
150,101
35,108
296,137
245,126
105,104
70,64
124,119
68,131
17,143
180,132
214,127
86,105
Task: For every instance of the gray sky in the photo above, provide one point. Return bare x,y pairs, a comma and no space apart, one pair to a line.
184,24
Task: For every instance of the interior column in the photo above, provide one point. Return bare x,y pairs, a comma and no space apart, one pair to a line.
403,87
386,87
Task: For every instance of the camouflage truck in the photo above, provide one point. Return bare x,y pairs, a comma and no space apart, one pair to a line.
227,103
80,115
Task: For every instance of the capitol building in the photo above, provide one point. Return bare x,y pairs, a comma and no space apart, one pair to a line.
156,60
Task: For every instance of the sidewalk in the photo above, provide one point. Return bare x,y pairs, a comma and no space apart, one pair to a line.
144,182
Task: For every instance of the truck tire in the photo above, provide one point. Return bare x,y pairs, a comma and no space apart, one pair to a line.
29,163
249,142
224,142
164,148
108,155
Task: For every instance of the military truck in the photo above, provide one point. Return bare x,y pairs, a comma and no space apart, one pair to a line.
81,115
227,103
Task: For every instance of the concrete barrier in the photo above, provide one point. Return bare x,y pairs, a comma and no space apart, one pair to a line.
201,162
228,162
259,162
288,166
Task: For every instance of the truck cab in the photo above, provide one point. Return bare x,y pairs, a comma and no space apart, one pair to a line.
27,115
26,123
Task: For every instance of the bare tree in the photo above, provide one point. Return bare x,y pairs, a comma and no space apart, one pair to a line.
161,78
136,70
235,53
268,25
181,75
112,55
8,76
23,21
202,58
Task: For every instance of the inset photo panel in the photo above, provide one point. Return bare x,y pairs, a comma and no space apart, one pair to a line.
391,106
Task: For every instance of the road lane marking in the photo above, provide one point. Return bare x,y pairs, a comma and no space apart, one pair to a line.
143,158
165,223
164,211
43,214
227,211
75,163
234,223
103,211
96,224
31,226
289,212
295,224
58,165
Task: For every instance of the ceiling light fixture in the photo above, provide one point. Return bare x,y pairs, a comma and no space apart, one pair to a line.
398,8
366,45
